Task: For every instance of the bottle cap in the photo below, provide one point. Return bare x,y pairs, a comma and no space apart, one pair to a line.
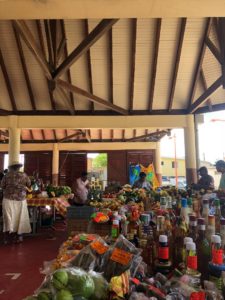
116,222
192,218
222,221
163,239
188,239
191,246
184,202
217,239
201,221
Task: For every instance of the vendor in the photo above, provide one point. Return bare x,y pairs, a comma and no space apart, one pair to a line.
142,183
37,183
81,189
205,182
220,167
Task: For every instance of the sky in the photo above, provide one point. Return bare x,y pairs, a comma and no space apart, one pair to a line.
211,139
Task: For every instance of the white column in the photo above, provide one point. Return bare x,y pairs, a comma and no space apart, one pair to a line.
14,140
158,167
55,164
190,150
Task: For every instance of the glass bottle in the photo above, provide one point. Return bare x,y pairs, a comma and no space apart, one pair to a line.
178,250
211,227
203,249
217,251
190,205
184,210
193,227
160,226
205,211
217,214
163,203
163,250
115,231
187,239
192,262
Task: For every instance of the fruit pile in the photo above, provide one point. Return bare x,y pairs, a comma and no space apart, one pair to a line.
72,284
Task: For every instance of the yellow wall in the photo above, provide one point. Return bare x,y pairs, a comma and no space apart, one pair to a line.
167,169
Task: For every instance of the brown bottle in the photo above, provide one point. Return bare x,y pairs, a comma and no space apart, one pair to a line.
193,227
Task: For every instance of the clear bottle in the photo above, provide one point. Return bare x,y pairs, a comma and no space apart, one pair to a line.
193,227
217,214
160,226
205,211
211,227
192,261
217,251
203,249
187,239
184,210
163,250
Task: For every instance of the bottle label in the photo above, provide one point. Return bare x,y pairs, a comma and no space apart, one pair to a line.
120,256
197,296
192,262
114,232
201,227
193,223
217,256
163,253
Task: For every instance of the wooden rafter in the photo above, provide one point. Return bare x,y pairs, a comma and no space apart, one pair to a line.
204,85
24,67
91,97
70,136
41,41
124,134
132,63
203,98
100,134
7,82
31,135
198,66
54,134
49,45
177,62
112,134
154,63
110,41
134,133
149,135
54,39
213,49
4,133
89,69
146,132
68,73
84,46
31,43
221,31
43,134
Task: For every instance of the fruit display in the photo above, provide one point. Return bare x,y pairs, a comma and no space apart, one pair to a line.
56,191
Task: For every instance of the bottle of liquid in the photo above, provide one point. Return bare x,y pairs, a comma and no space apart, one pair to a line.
217,215
124,224
163,252
203,250
222,233
193,227
190,205
211,227
217,251
205,211
184,210
192,260
163,203
115,231
160,226
186,240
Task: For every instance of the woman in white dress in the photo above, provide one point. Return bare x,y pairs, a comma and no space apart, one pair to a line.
14,205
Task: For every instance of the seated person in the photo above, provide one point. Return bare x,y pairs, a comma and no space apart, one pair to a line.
205,182
142,183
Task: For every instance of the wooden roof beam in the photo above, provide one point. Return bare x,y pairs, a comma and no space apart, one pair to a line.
149,135
203,98
110,42
221,32
7,82
68,137
85,45
49,45
91,97
213,49
176,66
132,63
24,67
89,69
204,84
54,39
198,66
154,62
68,73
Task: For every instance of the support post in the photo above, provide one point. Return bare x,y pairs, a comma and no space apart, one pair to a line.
14,140
55,164
190,150
158,168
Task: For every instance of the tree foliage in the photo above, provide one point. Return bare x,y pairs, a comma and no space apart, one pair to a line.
100,161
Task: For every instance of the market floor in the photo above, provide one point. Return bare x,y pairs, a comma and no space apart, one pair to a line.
20,264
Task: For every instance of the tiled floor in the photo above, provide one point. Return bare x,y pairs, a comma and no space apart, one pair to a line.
24,261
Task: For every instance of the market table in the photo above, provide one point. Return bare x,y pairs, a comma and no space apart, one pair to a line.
59,204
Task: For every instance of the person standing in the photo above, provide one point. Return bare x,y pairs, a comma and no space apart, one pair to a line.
14,205
220,167
142,183
81,189
206,181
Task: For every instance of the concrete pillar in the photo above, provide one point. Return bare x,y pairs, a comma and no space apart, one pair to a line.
190,150
14,144
55,165
158,167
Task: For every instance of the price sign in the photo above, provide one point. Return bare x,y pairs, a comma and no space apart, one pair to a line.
120,256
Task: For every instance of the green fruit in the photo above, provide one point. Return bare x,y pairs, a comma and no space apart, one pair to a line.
60,279
44,296
64,295
81,284
79,298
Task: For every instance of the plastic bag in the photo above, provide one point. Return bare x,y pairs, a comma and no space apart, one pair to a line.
138,296
101,286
